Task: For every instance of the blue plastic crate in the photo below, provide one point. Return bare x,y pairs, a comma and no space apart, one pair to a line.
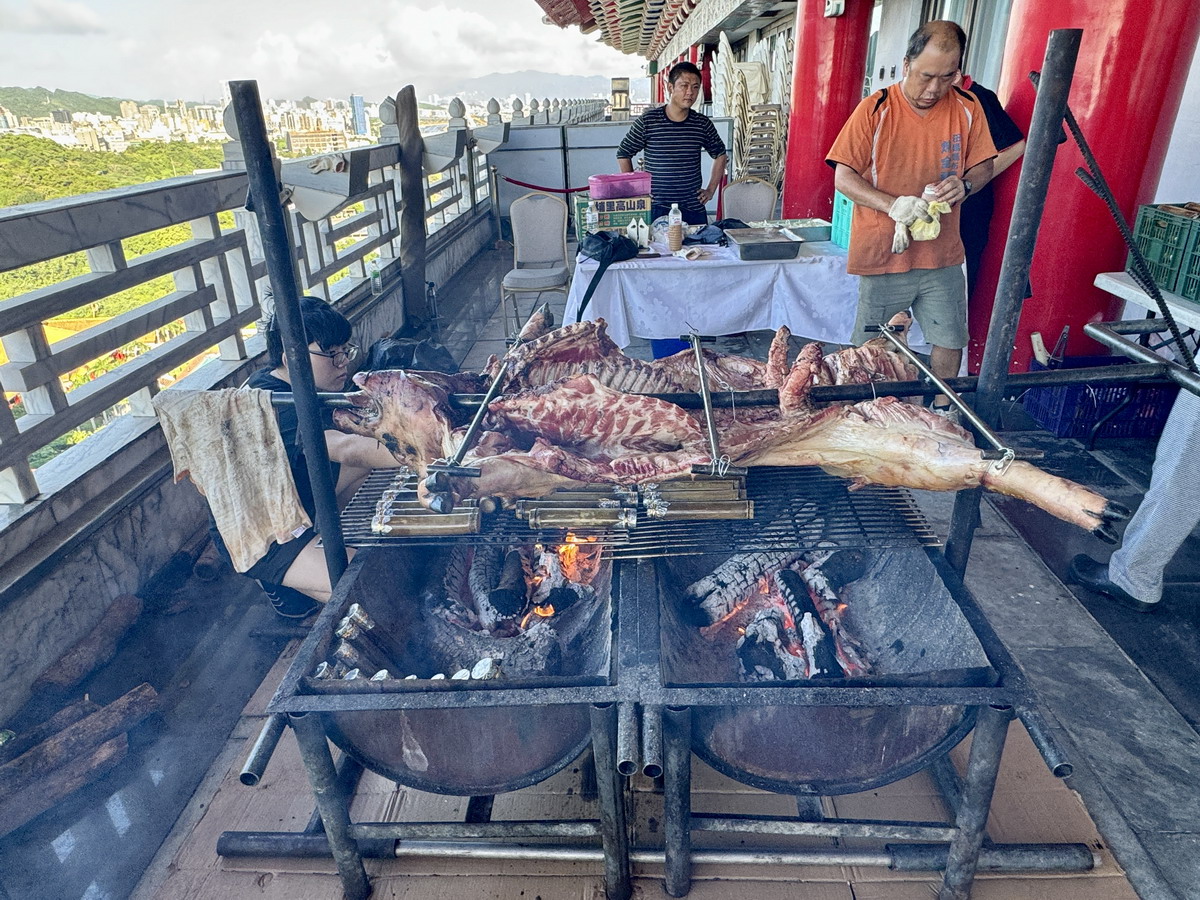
1072,410
843,212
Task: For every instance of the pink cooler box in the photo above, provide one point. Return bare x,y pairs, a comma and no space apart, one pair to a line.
614,187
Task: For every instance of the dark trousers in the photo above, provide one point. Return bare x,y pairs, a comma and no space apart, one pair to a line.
690,216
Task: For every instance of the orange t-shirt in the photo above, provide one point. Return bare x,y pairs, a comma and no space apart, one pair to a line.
898,151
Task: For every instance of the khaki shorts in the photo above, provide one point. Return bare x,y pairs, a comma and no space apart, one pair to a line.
937,298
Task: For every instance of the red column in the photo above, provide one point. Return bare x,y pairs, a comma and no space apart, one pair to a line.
1129,78
827,81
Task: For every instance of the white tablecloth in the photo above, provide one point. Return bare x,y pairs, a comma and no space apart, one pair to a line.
813,295
721,294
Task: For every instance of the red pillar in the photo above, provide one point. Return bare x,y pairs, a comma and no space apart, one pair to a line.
827,81
1129,78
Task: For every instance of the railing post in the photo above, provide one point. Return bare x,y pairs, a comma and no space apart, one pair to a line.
412,206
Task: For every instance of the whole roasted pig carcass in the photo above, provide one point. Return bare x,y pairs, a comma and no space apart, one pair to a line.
571,412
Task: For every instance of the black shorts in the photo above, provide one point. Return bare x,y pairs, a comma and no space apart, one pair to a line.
275,563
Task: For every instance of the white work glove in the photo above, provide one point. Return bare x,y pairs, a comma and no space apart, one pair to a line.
906,211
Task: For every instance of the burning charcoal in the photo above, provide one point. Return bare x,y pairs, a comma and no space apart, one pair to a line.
486,668
851,655
461,675
511,593
818,647
563,598
719,593
763,645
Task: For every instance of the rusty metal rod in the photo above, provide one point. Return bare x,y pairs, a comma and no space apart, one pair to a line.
829,393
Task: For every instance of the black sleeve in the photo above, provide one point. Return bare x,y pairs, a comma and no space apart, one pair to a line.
1003,129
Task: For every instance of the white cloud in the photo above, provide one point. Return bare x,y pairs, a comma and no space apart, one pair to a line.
50,17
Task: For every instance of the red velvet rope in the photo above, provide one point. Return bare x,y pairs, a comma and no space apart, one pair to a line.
538,187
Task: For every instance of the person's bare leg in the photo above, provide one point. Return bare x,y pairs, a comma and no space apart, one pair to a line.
945,363
309,574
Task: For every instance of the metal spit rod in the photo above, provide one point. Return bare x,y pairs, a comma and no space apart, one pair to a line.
717,466
1002,453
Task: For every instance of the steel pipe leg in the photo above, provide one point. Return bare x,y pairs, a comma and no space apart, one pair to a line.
677,801
479,809
983,765
333,804
614,828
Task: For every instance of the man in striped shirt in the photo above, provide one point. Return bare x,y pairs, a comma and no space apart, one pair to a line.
672,137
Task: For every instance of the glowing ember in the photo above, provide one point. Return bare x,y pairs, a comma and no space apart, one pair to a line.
543,612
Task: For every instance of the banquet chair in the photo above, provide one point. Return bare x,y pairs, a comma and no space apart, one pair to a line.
539,228
749,199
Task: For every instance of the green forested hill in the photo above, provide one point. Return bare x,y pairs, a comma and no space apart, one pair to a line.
34,169
39,101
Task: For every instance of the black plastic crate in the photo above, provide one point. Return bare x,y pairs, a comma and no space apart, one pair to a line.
1072,410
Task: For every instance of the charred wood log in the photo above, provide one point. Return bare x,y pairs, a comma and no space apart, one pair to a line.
95,649
77,739
68,715
511,593
20,806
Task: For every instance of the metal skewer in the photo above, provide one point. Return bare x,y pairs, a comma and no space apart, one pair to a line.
1002,454
715,467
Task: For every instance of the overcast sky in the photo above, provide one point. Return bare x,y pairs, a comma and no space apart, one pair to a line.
147,49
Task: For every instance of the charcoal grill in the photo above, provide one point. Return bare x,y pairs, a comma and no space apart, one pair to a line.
941,671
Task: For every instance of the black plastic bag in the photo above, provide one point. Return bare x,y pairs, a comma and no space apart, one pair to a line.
605,247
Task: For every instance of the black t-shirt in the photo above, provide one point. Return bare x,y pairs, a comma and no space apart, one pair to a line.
977,209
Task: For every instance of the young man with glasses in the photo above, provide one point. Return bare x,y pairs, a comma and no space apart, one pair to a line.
299,564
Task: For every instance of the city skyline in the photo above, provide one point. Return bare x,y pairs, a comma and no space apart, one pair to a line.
301,48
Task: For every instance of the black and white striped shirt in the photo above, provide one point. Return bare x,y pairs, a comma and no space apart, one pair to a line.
672,153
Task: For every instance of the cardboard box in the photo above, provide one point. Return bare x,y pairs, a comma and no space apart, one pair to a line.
614,214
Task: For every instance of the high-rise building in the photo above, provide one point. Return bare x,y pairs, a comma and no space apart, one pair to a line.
358,111
129,109
61,116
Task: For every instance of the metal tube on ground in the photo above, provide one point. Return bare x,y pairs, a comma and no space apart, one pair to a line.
627,739
677,801
1049,108
983,765
652,742
264,747
1052,752
334,805
998,857
901,857
610,793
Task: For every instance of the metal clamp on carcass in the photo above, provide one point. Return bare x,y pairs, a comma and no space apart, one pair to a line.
719,465
1002,454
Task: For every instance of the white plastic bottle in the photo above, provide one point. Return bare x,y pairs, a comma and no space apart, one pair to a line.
592,222
376,278
675,228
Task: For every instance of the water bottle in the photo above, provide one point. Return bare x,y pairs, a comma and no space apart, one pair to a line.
675,228
376,279
592,222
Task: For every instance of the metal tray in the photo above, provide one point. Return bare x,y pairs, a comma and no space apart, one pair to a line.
763,243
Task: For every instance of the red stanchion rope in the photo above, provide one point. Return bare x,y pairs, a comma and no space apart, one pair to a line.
538,187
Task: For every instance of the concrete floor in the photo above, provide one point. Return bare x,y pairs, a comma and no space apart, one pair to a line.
1119,690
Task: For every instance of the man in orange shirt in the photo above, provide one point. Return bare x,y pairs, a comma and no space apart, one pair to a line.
904,147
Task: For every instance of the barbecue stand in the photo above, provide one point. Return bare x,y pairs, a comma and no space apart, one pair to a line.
673,713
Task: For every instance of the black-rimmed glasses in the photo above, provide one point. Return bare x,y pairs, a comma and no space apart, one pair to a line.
340,358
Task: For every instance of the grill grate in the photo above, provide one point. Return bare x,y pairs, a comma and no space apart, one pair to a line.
793,508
